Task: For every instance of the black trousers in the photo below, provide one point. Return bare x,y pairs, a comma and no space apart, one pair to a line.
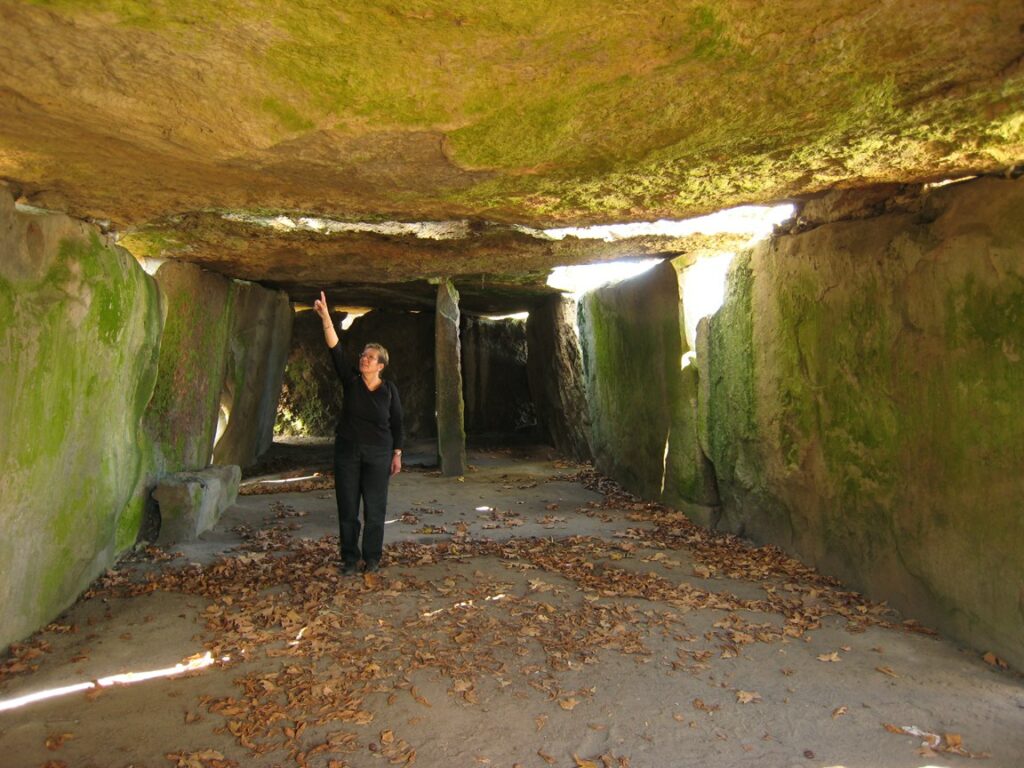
361,472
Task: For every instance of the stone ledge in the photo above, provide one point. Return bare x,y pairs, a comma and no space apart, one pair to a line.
192,502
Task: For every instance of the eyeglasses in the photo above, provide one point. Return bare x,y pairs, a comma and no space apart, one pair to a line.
367,356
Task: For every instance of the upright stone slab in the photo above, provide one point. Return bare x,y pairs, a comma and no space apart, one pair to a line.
451,433
79,336
867,406
555,369
182,416
642,398
257,348
495,386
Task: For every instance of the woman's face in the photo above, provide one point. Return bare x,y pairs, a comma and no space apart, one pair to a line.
368,362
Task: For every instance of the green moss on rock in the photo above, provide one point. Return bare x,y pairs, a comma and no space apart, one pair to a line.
79,333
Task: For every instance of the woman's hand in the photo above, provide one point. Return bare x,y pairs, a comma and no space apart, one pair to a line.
396,464
320,307
330,334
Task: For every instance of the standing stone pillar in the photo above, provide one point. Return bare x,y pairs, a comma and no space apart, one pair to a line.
451,432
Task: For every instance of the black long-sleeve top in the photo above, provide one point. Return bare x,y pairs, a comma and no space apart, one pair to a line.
367,418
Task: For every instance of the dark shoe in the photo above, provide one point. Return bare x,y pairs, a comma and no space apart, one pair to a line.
347,569
372,566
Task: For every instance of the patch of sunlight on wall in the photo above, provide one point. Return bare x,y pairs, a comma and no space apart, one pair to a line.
581,278
703,291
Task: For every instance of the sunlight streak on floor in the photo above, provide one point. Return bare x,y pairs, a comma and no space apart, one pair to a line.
191,664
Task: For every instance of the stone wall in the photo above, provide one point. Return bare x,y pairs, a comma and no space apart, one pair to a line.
79,336
257,348
495,385
182,416
555,372
643,402
866,406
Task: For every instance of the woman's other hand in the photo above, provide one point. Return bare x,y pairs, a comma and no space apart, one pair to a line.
396,464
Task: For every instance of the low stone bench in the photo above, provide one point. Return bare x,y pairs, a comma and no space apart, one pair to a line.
192,502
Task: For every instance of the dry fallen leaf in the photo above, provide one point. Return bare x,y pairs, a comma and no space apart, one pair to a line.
829,657
839,712
581,763
747,697
568,704
993,660
56,740
540,721
546,757
887,671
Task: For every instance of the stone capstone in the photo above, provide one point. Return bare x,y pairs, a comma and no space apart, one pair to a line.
191,503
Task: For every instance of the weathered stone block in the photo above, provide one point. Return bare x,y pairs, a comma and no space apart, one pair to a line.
495,386
643,405
867,406
192,502
182,415
555,370
451,432
79,336
256,351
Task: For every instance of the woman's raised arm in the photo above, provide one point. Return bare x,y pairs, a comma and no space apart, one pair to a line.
330,332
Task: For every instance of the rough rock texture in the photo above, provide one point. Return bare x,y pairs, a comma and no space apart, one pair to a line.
182,416
257,348
79,334
643,405
495,386
192,502
451,432
866,409
494,113
502,110
555,370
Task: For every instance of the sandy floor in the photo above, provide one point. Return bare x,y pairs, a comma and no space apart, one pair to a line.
529,614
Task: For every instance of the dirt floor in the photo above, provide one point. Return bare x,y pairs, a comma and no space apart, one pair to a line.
529,614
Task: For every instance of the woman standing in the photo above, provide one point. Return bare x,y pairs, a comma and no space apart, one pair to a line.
367,447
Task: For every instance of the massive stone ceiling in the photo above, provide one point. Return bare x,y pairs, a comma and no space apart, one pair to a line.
160,117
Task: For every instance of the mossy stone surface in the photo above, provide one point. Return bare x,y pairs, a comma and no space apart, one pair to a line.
867,406
80,327
643,426
182,415
513,111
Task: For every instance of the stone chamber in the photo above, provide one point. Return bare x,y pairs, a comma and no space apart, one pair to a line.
179,181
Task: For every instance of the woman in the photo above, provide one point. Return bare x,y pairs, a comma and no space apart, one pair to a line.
367,447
